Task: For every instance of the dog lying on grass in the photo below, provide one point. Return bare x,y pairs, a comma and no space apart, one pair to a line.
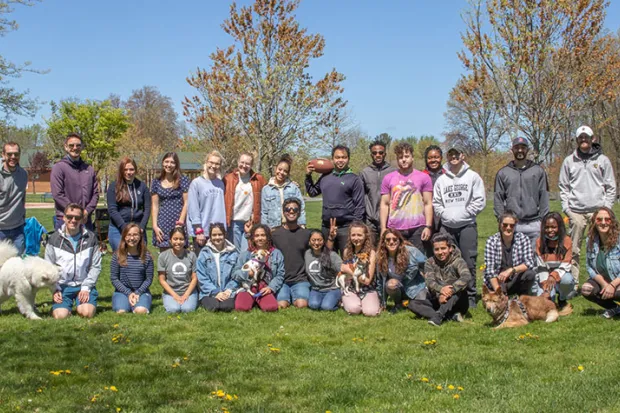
22,278
359,274
519,311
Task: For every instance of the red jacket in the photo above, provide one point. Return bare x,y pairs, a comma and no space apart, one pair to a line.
230,183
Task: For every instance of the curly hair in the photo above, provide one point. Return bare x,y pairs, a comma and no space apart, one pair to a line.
251,245
366,247
402,255
612,238
560,249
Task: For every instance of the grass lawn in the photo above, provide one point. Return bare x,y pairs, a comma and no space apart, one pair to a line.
299,360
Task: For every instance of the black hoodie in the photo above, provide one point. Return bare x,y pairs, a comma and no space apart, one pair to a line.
522,190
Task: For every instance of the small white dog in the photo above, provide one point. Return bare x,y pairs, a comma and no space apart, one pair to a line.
256,265
22,278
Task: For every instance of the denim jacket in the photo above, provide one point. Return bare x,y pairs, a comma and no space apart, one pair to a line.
612,260
271,203
274,276
412,280
210,282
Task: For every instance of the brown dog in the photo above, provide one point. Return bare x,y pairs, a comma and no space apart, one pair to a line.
519,311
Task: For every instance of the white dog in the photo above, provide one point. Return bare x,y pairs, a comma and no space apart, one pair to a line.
22,278
359,274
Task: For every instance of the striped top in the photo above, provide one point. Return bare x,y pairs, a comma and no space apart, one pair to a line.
136,276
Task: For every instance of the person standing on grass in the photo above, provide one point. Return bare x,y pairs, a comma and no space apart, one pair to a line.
13,184
264,294
433,157
322,267
602,264
74,181
279,188
372,177
292,240
177,274
131,273
398,266
359,252
587,182
553,256
458,198
521,186
343,195
242,198
129,201
508,259
407,200
168,200
75,249
215,265
447,277
205,200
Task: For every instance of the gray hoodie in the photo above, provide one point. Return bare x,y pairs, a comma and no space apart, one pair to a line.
587,183
458,199
372,177
12,197
523,191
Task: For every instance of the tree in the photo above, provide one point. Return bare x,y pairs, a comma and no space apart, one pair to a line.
98,123
153,117
258,93
39,163
13,102
28,137
538,57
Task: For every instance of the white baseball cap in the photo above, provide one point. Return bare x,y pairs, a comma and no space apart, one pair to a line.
584,129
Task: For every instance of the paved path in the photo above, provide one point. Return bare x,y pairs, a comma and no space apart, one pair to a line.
39,205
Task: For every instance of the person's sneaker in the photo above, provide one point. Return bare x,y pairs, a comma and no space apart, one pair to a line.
611,313
396,308
472,303
435,321
458,317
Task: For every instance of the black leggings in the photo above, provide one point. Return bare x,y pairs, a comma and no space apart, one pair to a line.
594,294
212,304
430,307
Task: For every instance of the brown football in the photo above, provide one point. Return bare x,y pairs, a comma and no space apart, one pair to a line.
322,165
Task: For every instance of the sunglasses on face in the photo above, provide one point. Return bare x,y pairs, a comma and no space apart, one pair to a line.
73,217
508,225
378,152
393,240
74,145
12,154
603,219
291,209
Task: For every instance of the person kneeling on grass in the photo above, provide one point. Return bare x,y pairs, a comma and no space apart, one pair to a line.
398,264
447,276
131,273
508,259
177,274
322,266
76,250
263,294
553,258
214,268
603,262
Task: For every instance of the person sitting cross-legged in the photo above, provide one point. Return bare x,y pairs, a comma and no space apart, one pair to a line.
447,276
508,259
603,262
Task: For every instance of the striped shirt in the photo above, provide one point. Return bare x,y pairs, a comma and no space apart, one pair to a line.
136,276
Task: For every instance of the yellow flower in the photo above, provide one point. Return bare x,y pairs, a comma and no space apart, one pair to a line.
220,393
328,411
235,397
424,380
67,371
409,375
456,397
113,388
274,350
105,387
268,345
450,387
460,388
229,397
439,387
115,326
185,358
483,267
39,390
94,398
85,367
580,367
118,409
55,373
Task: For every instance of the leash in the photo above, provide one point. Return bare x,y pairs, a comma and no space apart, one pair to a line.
507,311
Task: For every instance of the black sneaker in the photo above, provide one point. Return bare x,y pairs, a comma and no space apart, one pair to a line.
396,308
435,321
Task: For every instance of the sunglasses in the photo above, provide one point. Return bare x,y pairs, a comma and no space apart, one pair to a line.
293,210
603,219
12,154
378,152
73,217
508,225
391,240
74,145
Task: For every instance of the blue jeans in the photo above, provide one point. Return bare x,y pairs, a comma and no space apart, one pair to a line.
188,306
17,236
324,300
294,292
120,301
114,237
564,287
236,235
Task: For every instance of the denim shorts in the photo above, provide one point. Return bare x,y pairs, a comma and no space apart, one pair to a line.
70,296
120,301
294,292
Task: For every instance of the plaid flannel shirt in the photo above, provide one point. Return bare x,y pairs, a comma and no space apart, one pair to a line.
521,254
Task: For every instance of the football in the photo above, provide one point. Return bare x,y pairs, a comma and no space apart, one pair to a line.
322,165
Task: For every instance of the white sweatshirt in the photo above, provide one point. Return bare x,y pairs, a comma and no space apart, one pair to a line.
458,199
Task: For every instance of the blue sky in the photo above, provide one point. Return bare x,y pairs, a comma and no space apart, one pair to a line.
399,56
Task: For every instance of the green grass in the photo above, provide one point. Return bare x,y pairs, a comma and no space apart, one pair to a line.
319,366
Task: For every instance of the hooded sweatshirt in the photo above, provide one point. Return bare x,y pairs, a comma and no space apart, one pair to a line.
372,177
12,197
458,199
214,270
587,182
137,209
73,182
343,196
453,272
523,191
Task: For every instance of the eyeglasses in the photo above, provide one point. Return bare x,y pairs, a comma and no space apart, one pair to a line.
378,152
73,217
508,225
291,209
12,154
74,145
391,240
603,219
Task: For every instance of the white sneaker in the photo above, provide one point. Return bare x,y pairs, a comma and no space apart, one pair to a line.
611,313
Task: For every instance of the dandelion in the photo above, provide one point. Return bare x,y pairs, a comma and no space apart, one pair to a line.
185,358
450,387
105,387
229,397
424,380
483,267
268,345
439,387
113,388
220,393
67,371
235,397
94,398
460,388
409,375
115,326
580,367
118,409
274,349
456,397
39,390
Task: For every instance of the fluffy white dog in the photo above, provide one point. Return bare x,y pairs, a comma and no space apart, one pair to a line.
22,278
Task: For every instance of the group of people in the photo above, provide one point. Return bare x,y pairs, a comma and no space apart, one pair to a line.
390,232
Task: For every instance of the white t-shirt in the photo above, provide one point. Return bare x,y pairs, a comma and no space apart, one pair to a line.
244,200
